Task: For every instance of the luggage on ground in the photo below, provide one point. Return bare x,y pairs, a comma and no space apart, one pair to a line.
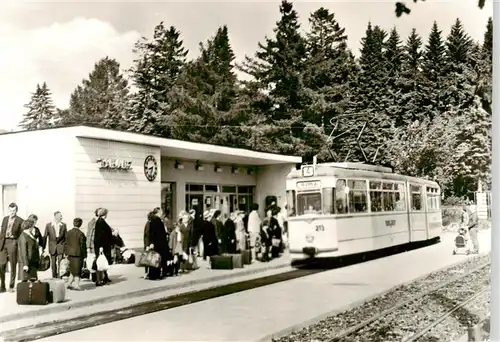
237,260
246,255
33,293
154,273
190,263
221,262
57,290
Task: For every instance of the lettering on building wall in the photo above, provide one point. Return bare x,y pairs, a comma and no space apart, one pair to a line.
114,164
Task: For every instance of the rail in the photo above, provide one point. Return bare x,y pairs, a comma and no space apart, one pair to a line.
342,335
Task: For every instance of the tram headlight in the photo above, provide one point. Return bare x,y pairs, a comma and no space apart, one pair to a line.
309,238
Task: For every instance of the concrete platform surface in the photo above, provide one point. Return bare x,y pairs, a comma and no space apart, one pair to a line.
257,314
127,282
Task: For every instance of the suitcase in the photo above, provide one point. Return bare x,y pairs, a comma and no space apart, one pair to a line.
246,255
221,262
57,290
33,293
237,260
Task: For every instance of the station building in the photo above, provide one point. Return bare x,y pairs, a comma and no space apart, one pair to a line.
78,169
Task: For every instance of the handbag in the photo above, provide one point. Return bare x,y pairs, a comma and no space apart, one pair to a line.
89,262
44,263
85,274
150,259
64,267
275,242
102,263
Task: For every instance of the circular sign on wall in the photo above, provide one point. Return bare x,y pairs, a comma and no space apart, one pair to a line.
150,168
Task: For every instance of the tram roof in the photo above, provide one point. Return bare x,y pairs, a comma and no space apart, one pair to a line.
358,170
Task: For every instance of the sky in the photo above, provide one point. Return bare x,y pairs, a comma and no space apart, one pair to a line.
58,42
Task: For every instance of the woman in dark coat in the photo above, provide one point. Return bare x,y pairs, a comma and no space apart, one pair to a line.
229,235
29,255
210,243
198,225
103,238
275,233
156,238
218,227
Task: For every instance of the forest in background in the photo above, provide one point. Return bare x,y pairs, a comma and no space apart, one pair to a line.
421,105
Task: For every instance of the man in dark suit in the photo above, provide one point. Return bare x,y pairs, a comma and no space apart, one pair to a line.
55,238
9,233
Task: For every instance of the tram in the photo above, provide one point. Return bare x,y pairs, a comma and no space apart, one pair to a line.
337,209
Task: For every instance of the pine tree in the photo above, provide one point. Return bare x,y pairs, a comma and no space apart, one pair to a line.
433,72
484,84
41,110
154,73
329,67
393,59
277,72
203,99
412,95
101,100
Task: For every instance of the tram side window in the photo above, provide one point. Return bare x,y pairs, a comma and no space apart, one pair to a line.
400,198
388,197
358,195
341,197
376,196
328,201
416,198
290,202
433,199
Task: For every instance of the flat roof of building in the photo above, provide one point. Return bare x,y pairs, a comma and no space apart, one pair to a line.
179,149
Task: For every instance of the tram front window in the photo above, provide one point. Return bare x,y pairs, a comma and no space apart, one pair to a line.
309,204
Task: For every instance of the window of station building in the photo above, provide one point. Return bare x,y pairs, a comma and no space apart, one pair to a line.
416,197
229,189
290,200
211,188
376,196
341,197
358,196
245,189
194,187
309,203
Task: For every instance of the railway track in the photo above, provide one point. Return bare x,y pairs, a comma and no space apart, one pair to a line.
375,327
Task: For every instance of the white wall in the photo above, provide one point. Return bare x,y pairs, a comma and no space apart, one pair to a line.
41,164
271,181
128,195
208,176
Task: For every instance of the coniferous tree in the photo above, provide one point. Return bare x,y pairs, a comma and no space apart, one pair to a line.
101,100
41,110
485,69
433,72
412,96
277,72
369,120
330,65
154,73
393,58
203,99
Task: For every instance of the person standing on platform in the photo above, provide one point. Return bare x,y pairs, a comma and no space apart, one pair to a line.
55,237
103,238
218,227
9,233
29,255
197,240
39,238
240,231
156,239
229,235
254,224
210,243
91,232
76,250
473,228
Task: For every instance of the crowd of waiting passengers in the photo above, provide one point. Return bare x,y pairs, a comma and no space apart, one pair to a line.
27,250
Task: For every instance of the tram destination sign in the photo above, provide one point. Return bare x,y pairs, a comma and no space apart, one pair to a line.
307,171
306,186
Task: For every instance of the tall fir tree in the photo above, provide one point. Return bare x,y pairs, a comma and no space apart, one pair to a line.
368,119
484,69
433,72
155,71
412,95
277,72
330,66
41,110
203,99
101,99
393,59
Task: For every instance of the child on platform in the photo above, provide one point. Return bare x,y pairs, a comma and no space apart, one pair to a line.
76,250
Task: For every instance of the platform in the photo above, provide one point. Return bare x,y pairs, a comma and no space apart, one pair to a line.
258,314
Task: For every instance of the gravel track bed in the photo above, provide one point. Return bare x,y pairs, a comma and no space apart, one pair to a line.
327,328
409,319
455,326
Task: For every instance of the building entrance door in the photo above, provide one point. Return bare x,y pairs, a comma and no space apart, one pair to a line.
9,195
